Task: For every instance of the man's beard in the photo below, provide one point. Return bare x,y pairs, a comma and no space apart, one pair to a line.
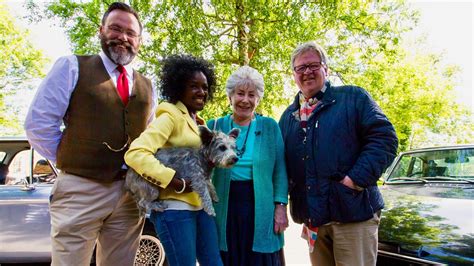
120,57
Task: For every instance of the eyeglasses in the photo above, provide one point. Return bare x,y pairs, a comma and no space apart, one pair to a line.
313,67
117,30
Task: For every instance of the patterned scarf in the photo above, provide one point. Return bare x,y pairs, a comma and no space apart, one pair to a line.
306,109
307,106
310,234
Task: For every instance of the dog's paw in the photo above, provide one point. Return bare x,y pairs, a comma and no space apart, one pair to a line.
214,196
210,211
156,206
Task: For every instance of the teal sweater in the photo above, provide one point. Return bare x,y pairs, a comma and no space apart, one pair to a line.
270,184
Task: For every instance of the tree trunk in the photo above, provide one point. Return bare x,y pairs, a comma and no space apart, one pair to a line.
242,35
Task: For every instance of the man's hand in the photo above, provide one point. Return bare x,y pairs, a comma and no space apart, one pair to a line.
347,181
280,219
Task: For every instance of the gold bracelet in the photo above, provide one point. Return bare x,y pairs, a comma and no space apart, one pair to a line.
184,187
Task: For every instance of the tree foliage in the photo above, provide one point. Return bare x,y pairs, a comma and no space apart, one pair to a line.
20,62
416,93
362,38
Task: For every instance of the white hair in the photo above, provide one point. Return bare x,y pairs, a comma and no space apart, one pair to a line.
245,75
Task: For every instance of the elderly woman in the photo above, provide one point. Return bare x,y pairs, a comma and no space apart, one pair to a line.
251,212
185,230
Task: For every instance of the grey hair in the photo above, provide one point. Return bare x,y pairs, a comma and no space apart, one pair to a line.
308,46
245,75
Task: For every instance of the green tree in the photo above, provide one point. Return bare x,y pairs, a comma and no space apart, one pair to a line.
362,39
21,62
416,93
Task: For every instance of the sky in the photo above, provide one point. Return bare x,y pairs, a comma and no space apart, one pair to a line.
449,29
447,25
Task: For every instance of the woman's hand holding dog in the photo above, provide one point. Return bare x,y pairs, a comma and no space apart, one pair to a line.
180,185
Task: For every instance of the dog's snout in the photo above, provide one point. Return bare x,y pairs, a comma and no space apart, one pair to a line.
234,160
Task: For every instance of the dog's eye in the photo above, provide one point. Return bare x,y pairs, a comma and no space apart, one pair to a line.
222,148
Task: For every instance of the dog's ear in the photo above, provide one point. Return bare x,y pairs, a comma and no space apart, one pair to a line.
234,133
206,135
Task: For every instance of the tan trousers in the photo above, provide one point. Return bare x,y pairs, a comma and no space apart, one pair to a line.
85,212
351,244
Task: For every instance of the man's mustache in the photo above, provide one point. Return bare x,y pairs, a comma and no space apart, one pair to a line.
118,42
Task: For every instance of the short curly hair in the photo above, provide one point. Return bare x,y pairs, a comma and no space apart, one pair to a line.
242,76
177,69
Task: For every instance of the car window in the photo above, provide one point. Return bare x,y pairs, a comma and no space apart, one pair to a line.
457,163
408,166
20,169
435,164
2,156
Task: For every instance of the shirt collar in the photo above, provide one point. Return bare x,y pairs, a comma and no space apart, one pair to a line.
312,100
111,66
324,87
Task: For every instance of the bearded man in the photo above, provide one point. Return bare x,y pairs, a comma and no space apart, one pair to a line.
104,105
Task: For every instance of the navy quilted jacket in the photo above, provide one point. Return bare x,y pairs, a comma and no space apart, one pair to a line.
347,135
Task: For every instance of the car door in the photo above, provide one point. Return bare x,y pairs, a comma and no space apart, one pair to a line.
24,215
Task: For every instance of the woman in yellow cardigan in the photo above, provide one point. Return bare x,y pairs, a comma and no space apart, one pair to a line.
185,230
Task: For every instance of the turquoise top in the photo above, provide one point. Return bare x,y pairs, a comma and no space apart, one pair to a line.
242,170
270,184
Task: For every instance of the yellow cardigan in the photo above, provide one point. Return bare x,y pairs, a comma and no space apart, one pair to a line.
172,127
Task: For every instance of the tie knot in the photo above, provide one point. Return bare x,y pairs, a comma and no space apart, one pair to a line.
121,69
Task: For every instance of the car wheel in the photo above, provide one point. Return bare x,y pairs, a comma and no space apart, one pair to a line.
150,251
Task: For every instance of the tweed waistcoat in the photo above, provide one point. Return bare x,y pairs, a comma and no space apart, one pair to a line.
98,127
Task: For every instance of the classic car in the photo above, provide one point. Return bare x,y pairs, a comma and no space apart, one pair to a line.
26,180
429,209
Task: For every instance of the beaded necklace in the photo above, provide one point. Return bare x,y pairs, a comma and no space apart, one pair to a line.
240,152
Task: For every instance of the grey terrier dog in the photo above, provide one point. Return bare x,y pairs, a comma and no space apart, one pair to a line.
192,164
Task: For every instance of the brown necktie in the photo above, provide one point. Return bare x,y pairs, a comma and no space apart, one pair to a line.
122,84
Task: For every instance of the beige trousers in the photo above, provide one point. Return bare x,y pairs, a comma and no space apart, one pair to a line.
85,213
351,244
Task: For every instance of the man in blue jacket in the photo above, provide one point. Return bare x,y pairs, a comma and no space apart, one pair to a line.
337,142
